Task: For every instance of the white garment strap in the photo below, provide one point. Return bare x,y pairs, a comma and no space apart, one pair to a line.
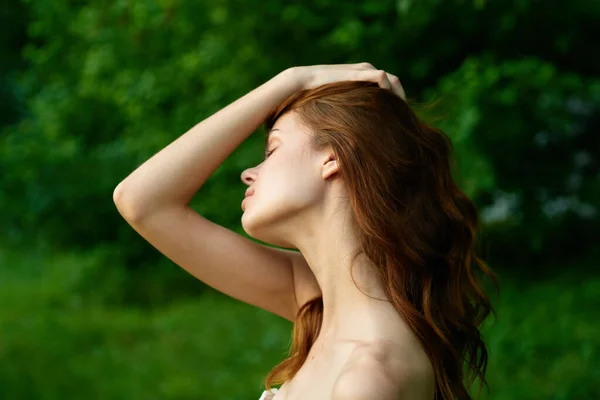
266,395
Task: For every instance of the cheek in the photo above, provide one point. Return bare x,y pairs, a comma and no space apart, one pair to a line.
284,192
288,182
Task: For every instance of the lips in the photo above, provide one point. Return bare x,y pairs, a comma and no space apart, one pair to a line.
244,202
249,192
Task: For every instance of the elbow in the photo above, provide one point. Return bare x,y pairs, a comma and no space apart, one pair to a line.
125,205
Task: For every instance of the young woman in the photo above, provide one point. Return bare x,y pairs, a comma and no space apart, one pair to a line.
384,289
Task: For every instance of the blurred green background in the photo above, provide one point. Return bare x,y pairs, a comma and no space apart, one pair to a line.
91,89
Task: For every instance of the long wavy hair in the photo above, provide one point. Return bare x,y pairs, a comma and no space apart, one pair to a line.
415,224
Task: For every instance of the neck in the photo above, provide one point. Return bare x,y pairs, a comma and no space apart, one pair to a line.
348,311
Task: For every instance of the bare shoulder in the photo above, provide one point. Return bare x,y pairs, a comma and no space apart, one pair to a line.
366,379
378,372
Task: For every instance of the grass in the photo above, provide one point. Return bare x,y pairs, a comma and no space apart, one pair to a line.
59,340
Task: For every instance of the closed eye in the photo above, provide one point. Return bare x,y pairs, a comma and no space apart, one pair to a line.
268,153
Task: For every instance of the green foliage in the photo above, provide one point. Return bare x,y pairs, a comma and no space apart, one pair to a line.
525,134
544,344
60,341
90,90
108,85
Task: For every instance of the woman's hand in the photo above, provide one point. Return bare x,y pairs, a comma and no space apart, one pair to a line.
317,75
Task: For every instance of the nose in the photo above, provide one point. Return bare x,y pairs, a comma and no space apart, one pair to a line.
249,176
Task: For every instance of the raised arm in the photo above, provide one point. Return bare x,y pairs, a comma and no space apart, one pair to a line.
173,175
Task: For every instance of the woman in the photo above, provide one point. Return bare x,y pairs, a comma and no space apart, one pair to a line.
383,291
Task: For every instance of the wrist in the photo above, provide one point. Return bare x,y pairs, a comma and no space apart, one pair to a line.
295,77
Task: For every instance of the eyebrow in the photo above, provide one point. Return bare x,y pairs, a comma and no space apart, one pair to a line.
268,136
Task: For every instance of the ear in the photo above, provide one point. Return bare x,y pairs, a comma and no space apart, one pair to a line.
330,166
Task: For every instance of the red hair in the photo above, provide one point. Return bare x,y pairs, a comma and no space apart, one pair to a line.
415,224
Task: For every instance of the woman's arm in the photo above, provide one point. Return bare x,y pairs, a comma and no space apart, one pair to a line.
174,174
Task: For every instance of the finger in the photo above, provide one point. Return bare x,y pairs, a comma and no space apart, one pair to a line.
364,65
378,76
397,86
383,81
356,66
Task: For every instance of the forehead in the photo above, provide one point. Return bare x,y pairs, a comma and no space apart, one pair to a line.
287,126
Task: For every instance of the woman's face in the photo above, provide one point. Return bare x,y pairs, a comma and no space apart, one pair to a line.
287,185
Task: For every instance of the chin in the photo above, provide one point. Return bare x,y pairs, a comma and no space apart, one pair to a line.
263,229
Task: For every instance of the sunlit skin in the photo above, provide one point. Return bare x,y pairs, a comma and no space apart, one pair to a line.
299,201
347,335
